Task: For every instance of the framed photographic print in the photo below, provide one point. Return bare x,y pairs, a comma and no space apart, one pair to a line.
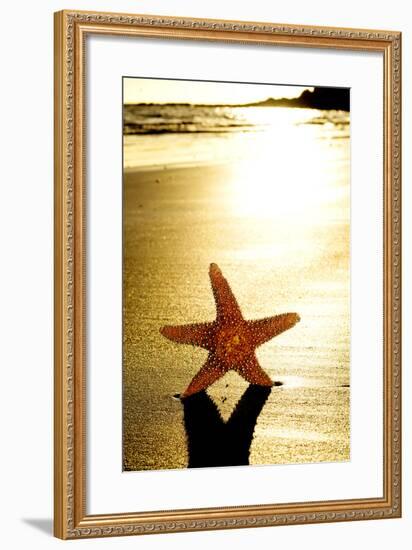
227,274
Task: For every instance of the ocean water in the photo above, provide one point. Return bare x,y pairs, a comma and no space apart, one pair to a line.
156,135
265,194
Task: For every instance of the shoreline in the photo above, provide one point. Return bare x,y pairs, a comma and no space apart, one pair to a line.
162,167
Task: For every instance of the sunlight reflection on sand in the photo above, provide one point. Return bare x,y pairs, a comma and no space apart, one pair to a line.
275,217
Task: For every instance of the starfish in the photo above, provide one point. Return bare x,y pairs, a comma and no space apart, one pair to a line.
230,339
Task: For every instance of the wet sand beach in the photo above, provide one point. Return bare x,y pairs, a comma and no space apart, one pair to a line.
278,227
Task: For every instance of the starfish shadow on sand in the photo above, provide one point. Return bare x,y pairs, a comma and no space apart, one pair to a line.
213,442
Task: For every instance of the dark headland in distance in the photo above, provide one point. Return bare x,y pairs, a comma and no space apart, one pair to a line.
337,99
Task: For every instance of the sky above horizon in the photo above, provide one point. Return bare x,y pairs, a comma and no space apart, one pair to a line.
149,90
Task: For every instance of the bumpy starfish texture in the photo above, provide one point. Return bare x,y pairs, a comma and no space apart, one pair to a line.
230,339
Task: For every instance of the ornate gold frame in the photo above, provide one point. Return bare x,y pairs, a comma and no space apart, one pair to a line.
71,520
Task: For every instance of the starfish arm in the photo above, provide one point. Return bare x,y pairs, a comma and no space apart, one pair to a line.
253,373
209,373
265,329
226,304
196,334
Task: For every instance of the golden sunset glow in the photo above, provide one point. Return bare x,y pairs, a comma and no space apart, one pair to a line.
139,90
235,216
